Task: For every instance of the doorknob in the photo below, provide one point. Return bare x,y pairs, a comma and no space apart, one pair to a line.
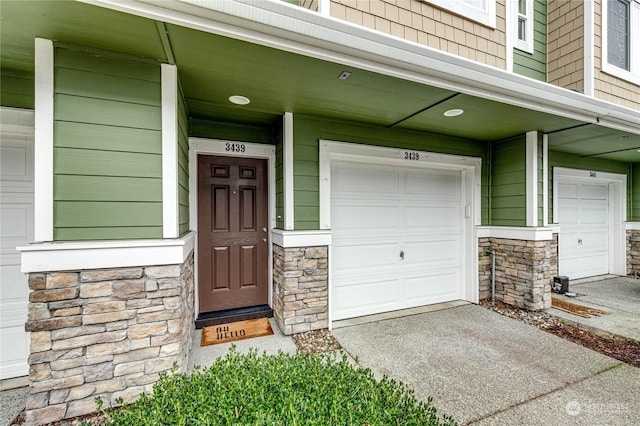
580,241
401,254
264,239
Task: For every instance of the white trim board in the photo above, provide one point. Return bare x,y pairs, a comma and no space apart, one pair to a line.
526,233
43,146
531,139
46,257
201,146
170,207
289,239
287,171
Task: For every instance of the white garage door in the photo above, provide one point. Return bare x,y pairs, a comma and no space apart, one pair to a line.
397,238
16,228
583,242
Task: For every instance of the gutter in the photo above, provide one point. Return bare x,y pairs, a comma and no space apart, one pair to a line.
294,29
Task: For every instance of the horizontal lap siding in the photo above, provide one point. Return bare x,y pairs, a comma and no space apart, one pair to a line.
183,166
309,130
508,183
16,90
534,65
107,148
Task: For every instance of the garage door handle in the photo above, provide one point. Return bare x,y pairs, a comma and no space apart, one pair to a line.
401,255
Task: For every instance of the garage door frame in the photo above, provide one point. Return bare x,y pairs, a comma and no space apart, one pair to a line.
470,168
617,211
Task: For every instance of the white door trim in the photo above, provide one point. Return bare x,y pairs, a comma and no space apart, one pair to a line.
230,149
470,167
617,210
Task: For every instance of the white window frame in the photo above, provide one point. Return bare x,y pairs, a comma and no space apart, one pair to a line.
633,75
465,8
528,42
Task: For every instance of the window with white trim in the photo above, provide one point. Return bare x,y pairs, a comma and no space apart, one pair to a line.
481,11
621,39
524,25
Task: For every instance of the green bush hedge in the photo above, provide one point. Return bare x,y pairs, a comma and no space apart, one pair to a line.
281,389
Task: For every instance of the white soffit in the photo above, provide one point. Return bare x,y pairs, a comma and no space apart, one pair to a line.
295,29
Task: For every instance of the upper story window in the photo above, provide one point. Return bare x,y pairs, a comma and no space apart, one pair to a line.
481,11
621,39
524,25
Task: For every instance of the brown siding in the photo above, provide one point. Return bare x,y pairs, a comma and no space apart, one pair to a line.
606,86
423,23
565,48
309,4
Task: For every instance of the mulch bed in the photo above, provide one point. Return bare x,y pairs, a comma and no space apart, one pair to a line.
620,348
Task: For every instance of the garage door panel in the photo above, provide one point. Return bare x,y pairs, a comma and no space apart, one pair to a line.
370,255
594,192
358,178
568,191
365,299
432,218
583,243
361,217
433,254
432,184
430,289
418,215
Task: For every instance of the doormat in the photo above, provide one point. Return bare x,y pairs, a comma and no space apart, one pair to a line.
223,333
576,309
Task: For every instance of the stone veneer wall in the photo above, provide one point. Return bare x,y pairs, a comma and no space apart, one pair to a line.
524,271
105,333
300,285
633,252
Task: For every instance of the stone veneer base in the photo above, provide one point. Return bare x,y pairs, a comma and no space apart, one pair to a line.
524,271
300,288
106,333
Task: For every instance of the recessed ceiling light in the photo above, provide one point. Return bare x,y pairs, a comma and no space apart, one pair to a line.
344,75
453,112
239,100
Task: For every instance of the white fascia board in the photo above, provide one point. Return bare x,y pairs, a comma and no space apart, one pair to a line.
528,233
170,208
287,161
289,239
532,177
43,145
72,256
298,30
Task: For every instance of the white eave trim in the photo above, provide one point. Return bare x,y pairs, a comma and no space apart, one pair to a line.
286,239
295,29
73,256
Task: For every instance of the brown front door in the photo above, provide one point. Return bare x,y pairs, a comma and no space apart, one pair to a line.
232,233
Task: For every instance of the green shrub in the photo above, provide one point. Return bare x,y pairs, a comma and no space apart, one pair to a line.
278,389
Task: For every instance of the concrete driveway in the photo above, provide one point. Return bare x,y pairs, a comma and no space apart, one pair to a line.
483,368
619,296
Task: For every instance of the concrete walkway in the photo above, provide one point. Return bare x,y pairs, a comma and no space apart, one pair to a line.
484,368
619,296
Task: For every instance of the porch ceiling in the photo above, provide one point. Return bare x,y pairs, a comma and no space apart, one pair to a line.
211,68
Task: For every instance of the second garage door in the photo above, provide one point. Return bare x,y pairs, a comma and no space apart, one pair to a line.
397,237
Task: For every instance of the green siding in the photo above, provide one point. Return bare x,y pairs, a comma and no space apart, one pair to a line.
309,130
634,193
508,183
534,65
230,131
107,148
16,90
570,161
183,166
